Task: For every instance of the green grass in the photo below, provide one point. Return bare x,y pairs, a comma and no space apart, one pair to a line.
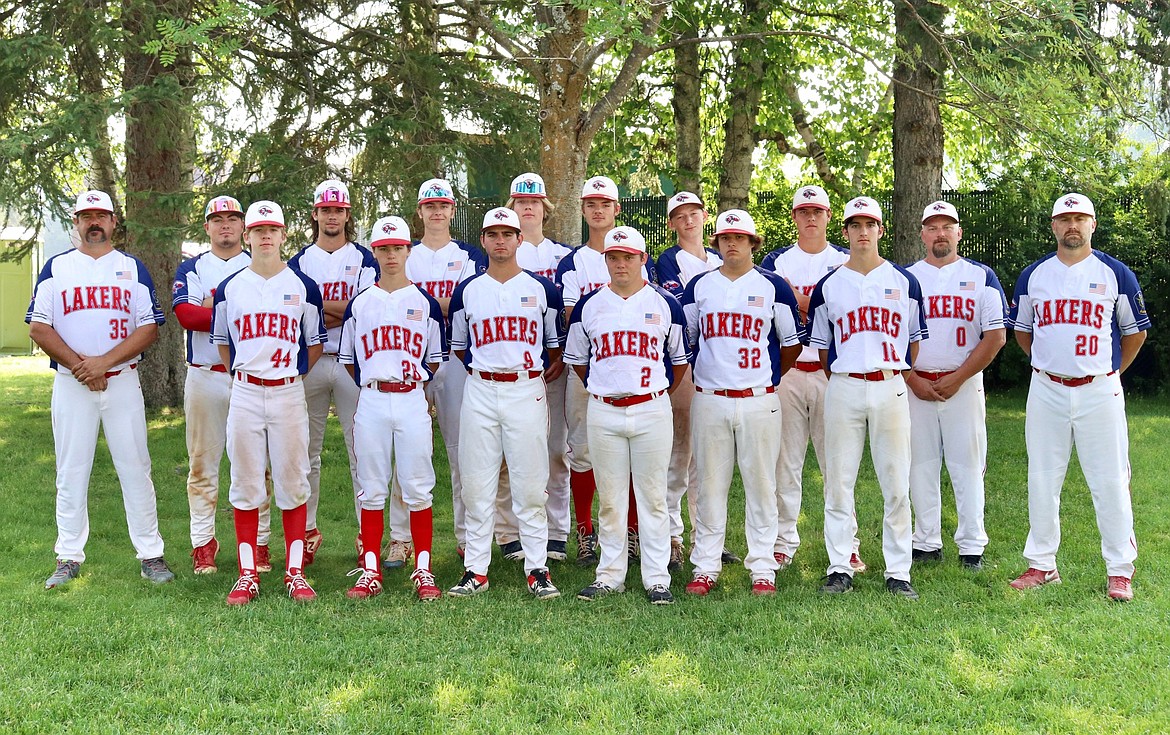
113,654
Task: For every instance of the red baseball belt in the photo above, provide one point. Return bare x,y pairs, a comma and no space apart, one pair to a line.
745,393
112,373
875,376
808,367
507,377
1072,382
934,376
389,386
266,382
216,368
624,401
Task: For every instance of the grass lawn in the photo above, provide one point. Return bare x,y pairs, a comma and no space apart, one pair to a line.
111,653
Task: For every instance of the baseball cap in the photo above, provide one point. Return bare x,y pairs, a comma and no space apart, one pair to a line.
222,205
389,231
810,196
1073,203
940,209
263,213
625,239
863,207
331,193
436,190
529,185
735,221
501,217
681,198
600,187
93,201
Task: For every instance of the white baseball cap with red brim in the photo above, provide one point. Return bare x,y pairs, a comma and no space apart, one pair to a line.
264,213
940,209
625,240
436,190
93,201
331,193
735,222
810,196
600,187
501,217
1074,203
389,231
528,186
681,198
863,207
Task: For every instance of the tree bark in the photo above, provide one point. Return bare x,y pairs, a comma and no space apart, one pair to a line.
739,130
159,157
918,131
686,102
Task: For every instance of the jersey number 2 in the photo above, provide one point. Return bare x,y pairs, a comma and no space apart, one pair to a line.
281,358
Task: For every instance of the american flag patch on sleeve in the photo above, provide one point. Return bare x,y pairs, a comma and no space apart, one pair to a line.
893,293
653,318
414,315
123,275
966,285
755,301
352,270
529,301
1097,288
292,299
454,265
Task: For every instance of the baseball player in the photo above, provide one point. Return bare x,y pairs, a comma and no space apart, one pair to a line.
580,273
802,392
208,385
341,268
269,326
743,325
627,345
1079,316
866,319
439,266
93,312
965,313
506,328
392,342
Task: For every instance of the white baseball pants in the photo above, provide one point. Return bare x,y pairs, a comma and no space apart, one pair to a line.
77,413
393,438
954,430
1092,418
851,406
682,475
328,380
634,439
268,426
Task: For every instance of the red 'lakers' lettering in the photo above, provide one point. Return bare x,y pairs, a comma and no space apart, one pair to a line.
627,343
1069,311
95,297
392,337
869,319
267,324
736,326
946,306
439,289
336,291
503,329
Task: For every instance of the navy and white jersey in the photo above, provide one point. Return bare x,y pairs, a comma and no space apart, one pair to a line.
94,303
676,267
269,323
392,336
867,322
543,258
339,275
961,301
735,329
440,271
196,281
583,271
506,327
803,271
1077,314
629,345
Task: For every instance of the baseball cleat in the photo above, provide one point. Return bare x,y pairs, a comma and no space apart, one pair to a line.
763,587
157,571
701,585
397,554
972,562
633,546
512,551
263,558
676,555
541,585
246,589
659,594
1119,588
598,590
470,584
784,560
586,549
901,588
926,555
729,557
837,583
298,588
556,551
66,571
424,585
857,564
1033,578
369,585
204,557
313,542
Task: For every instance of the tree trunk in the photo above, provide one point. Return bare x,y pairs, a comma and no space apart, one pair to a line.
686,103
918,131
739,131
159,146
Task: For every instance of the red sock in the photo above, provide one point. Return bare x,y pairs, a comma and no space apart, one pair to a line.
583,488
247,523
421,531
632,523
372,524
294,538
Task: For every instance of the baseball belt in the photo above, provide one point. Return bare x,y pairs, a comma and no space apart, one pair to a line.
112,373
745,393
875,376
1072,382
216,368
266,382
808,367
387,386
507,377
934,376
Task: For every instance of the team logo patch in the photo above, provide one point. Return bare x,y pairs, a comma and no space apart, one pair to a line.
265,211
292,299
860,205
414,315
1141,303
501,215
939,207
756,301
619,236
966,285
179,286
682,197
730,219
653,318
528,301
808,193
93,198
389,227
1071,202
123,275
893,294
1098,288
671,285
598,185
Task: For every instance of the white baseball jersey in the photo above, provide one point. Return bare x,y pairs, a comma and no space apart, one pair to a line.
629,344
961,300
735,329
94,304
542,259
269,323
506,327
676,267
195,281
1077,314
392,336
867,322
803,271
339,275
440,271
583,271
